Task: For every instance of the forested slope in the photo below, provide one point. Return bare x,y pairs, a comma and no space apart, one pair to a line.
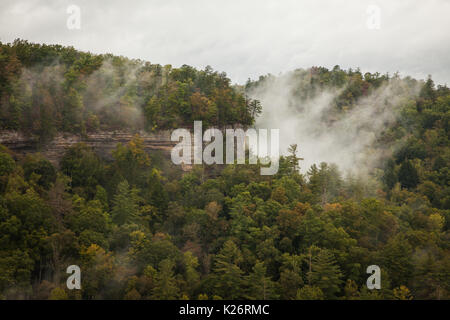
49,88
139,228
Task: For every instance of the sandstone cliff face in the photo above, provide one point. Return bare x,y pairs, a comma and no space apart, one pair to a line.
103,143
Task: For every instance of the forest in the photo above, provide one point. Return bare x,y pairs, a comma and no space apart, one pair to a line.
141,228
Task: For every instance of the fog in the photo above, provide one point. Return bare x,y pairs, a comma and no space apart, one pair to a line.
323,134
248,38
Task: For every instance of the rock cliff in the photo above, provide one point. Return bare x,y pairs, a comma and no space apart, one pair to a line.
102,143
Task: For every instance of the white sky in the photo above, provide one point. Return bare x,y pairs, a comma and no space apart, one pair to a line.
248,38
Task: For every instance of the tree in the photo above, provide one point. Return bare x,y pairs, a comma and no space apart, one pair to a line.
407,175
255,108
428,90
17,267
144,229
351,290
152,111
289,222
289,283
99,267
42,167
290,275
396,258
229,275
7,164
165,284
89,216
326,274
125,204
293,159
84,168
102,196
324,182
260,286
131,161
310,293
402,293
155,192
63,246
191,274
150,251
389,177
432,277
58,294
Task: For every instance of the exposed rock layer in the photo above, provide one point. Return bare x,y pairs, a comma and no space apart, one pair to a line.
102,143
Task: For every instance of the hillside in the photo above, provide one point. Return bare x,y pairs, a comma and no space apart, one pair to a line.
141,228
45,89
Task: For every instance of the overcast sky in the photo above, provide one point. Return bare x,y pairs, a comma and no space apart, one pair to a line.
248,38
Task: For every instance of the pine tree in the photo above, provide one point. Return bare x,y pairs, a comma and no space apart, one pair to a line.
229,275
102,196
309,293
325,274
389,177
407,175
427,91
165,283
397,259
293,159
260,287
125,209
191,274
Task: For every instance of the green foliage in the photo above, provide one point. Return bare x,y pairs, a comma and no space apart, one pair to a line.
84,169
325,274
229,279
125,204
141,229
310,293
79,92
41,167
165,284
7,164
260,286
407,175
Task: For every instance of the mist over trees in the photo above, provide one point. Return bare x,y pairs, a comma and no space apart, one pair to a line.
45,89
140,228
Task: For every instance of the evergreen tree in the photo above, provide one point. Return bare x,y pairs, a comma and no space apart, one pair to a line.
396,258
191,274
260,286
389,177
293,159
407,175
310,293
326,274
165,285
125,204
229,275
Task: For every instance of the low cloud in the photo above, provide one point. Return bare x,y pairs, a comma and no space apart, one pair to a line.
248,38
324,134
